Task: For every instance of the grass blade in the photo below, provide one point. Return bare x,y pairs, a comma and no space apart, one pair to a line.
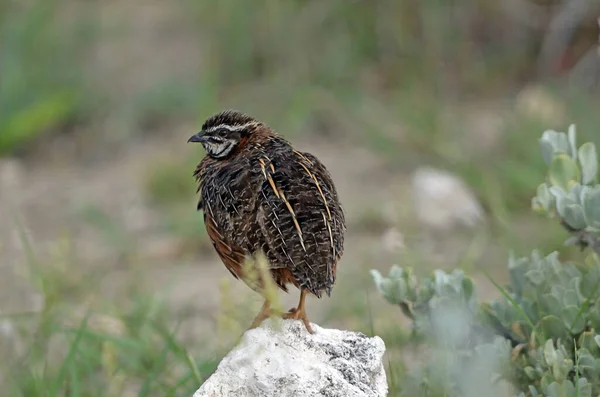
514,304
69,360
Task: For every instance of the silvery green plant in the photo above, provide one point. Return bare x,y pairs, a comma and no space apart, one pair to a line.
464,355
402,287
570,191
420,298
543,335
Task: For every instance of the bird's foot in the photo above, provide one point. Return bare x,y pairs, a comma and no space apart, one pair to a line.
265,312
258,320
299,314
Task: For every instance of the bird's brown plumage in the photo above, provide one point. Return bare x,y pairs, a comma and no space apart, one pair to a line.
264,195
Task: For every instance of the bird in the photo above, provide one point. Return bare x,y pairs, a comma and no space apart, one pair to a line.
261,196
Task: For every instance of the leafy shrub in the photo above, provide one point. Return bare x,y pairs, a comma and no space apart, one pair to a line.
542,337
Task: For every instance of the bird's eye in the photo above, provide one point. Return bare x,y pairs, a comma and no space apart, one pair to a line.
216,139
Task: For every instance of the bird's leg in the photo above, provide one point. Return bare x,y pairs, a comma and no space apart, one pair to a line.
299,313
264,313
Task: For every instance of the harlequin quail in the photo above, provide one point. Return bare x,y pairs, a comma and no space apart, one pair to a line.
259,194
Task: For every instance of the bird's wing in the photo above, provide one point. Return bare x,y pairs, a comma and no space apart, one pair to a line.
300,218
232,257
330,196
222,201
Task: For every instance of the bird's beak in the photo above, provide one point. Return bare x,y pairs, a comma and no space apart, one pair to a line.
199,137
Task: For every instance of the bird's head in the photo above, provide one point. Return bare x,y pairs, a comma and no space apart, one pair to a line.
222,133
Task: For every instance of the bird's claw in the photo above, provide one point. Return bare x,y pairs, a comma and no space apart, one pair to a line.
295,314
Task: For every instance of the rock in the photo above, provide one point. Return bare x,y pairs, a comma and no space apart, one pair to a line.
10,340
443,201
283,359
538,103
393,240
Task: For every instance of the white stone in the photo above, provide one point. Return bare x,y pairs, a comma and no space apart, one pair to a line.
281,358
393,240
538,103
443,201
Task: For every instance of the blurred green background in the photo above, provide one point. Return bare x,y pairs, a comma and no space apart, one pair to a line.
98,223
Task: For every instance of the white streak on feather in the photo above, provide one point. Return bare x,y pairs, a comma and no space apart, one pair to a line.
296,224
330,233
232,127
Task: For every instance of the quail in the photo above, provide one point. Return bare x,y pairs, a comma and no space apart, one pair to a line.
260,195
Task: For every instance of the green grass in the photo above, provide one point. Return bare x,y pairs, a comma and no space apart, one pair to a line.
139,354
98,348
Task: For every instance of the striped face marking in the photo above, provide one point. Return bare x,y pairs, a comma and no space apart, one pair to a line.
222,139
218,147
